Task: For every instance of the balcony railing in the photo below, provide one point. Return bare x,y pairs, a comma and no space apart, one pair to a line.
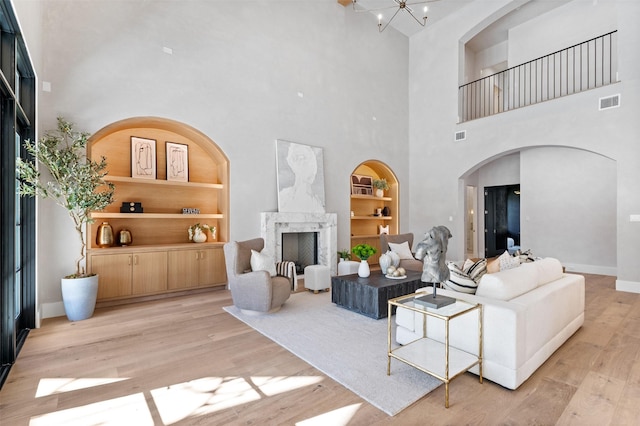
575,69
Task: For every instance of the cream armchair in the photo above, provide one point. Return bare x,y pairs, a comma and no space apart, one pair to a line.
253,291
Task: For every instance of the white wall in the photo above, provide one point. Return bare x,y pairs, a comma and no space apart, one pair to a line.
438,163
245,73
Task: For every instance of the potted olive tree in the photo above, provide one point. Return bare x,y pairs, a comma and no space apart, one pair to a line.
77,184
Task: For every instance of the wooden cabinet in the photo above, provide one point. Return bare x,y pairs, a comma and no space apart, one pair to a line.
196,268
129,274
365,223
161,243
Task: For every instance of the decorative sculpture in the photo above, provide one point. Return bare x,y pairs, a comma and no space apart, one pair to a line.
433,250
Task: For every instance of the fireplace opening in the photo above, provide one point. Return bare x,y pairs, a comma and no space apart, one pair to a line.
300,248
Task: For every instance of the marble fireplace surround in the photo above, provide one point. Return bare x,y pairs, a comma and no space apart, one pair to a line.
274,224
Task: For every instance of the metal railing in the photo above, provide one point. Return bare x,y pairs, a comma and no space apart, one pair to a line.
575,69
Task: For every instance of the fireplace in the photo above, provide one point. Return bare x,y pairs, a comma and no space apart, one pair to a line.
274,225
300,248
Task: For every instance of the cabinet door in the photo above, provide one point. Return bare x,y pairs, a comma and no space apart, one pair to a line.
211,267
149,272
182,268
114,272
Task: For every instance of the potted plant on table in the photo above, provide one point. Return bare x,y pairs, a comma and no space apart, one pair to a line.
77,184
380,185
363,252
344,255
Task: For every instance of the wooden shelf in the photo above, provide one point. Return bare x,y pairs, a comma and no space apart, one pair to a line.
101,215
372,217
125,179
370,197
365,236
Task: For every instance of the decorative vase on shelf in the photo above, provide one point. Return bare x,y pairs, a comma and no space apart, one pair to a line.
199,236
125,238
379,193
104,236
363,269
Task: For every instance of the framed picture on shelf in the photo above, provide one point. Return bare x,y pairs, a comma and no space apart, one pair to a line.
177,162
361,185
143,158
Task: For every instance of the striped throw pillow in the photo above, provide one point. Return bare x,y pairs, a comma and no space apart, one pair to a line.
459,281
475,270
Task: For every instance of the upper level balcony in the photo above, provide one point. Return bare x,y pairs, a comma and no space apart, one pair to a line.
575,69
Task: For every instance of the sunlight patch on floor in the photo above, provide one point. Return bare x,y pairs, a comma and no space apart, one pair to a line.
68,384
340,417
127,410
210,394
275,385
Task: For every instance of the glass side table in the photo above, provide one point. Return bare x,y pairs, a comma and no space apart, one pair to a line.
433,357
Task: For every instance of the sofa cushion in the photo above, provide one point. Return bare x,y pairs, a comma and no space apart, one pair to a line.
262,261
549,269
402,249
459,281
505,285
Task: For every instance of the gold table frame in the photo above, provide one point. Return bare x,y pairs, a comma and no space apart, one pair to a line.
420,352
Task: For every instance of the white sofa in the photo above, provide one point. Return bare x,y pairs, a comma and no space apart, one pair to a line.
528,312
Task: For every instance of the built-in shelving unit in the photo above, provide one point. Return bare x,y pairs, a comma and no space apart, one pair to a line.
161,258
365,224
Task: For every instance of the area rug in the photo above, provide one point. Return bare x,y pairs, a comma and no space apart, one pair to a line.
348,347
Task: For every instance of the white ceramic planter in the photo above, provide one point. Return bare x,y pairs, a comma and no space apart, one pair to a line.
363,269
79,297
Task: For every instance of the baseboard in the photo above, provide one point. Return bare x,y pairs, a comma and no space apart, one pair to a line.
591,269
51,310
628,286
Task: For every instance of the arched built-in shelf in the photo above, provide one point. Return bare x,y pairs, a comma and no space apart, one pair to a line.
365,224
161,258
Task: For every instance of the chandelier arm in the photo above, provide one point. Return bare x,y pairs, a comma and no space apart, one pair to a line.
388,22
423,22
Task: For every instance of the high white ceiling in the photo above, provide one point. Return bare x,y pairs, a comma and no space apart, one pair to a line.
439,9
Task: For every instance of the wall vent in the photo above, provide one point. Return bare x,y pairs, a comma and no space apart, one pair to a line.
460,136
609,102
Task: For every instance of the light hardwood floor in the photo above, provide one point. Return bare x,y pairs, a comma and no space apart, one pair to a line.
219,365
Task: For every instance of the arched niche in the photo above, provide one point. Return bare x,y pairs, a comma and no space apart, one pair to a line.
365,224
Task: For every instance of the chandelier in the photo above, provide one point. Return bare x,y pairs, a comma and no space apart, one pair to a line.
399,5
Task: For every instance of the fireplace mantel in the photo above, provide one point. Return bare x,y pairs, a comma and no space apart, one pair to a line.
274,224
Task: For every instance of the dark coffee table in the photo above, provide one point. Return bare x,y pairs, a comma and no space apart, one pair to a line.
369,296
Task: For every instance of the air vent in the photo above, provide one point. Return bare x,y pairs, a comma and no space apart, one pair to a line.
609,102
460,136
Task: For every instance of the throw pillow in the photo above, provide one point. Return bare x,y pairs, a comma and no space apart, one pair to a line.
508,262
459,280
402,249
475,270
493,265
262,261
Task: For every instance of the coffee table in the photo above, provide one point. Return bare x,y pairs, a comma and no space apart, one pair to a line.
369,296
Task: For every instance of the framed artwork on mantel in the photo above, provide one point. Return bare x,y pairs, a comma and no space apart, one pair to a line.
143,158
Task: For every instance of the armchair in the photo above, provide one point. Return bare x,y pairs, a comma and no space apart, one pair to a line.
253,291
408,264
